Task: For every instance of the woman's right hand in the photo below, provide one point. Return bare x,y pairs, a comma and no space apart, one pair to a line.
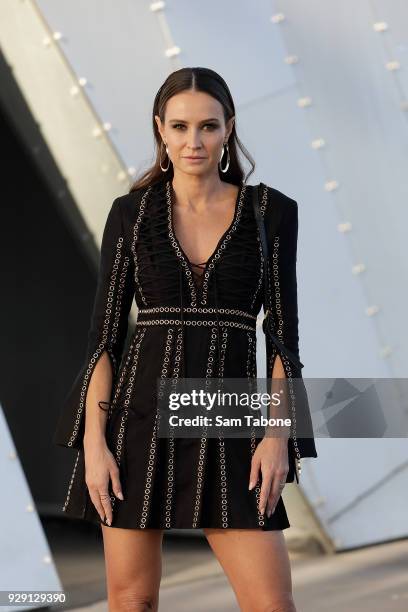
100,465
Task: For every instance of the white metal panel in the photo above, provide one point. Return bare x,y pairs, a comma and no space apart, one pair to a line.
25,558
356,109
120,48
358,489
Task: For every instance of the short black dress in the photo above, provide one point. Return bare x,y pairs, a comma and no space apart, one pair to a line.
191,323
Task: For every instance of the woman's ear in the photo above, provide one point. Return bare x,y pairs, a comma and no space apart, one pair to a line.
229,125
159,124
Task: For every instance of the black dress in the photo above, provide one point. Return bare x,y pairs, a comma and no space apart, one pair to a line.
190,323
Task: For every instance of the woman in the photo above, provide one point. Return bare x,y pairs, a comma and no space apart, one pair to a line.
184,242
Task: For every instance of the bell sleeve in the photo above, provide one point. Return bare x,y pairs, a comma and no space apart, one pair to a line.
283,283
108,325
281,328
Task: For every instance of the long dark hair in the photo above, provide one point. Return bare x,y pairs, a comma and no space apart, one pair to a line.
208,81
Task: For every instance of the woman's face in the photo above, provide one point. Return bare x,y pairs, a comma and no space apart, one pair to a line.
194,127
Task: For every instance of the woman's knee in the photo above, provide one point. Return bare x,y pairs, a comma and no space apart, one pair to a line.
282,604
133,600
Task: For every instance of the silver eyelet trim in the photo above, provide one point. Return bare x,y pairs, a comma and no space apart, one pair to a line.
111,354
104,341
216,255
251,373
261,517
251,355
122,373
223,476
136,228
153,443
177,322
278,306
121,433
64,507
203,445
121,285
170,466
279,331
176,246
205,310
261,269
264,200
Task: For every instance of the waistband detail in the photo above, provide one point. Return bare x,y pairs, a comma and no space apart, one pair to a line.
196,316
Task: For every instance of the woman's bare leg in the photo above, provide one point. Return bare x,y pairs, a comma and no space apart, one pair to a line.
257,565
133,562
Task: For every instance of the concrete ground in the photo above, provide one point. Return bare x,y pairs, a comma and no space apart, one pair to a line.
370,579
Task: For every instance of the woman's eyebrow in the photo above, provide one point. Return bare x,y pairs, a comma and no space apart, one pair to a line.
203,121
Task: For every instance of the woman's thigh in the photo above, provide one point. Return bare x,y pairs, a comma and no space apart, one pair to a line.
257,565
133,562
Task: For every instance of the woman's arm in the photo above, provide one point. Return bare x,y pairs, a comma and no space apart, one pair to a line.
106,337
284,304
98,395
271,455
109,321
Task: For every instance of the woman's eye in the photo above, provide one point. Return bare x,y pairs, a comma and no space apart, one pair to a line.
212,126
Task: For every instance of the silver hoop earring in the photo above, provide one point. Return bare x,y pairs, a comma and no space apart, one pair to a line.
228,158
168,165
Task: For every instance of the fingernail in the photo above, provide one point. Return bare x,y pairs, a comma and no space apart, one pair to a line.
108,522
251,484
120,495
262,509
269,513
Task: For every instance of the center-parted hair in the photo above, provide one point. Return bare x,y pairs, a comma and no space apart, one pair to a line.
210,82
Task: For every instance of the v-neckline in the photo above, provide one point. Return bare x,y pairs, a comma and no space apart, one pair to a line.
215,254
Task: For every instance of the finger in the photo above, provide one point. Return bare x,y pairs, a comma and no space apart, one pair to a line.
254,473
267,477
276,491
106,503
116,486
272,501
95,499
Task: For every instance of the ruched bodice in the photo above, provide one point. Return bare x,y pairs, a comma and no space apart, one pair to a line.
159,255
166,277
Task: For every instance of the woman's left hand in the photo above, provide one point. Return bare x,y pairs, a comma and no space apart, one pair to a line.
271,455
